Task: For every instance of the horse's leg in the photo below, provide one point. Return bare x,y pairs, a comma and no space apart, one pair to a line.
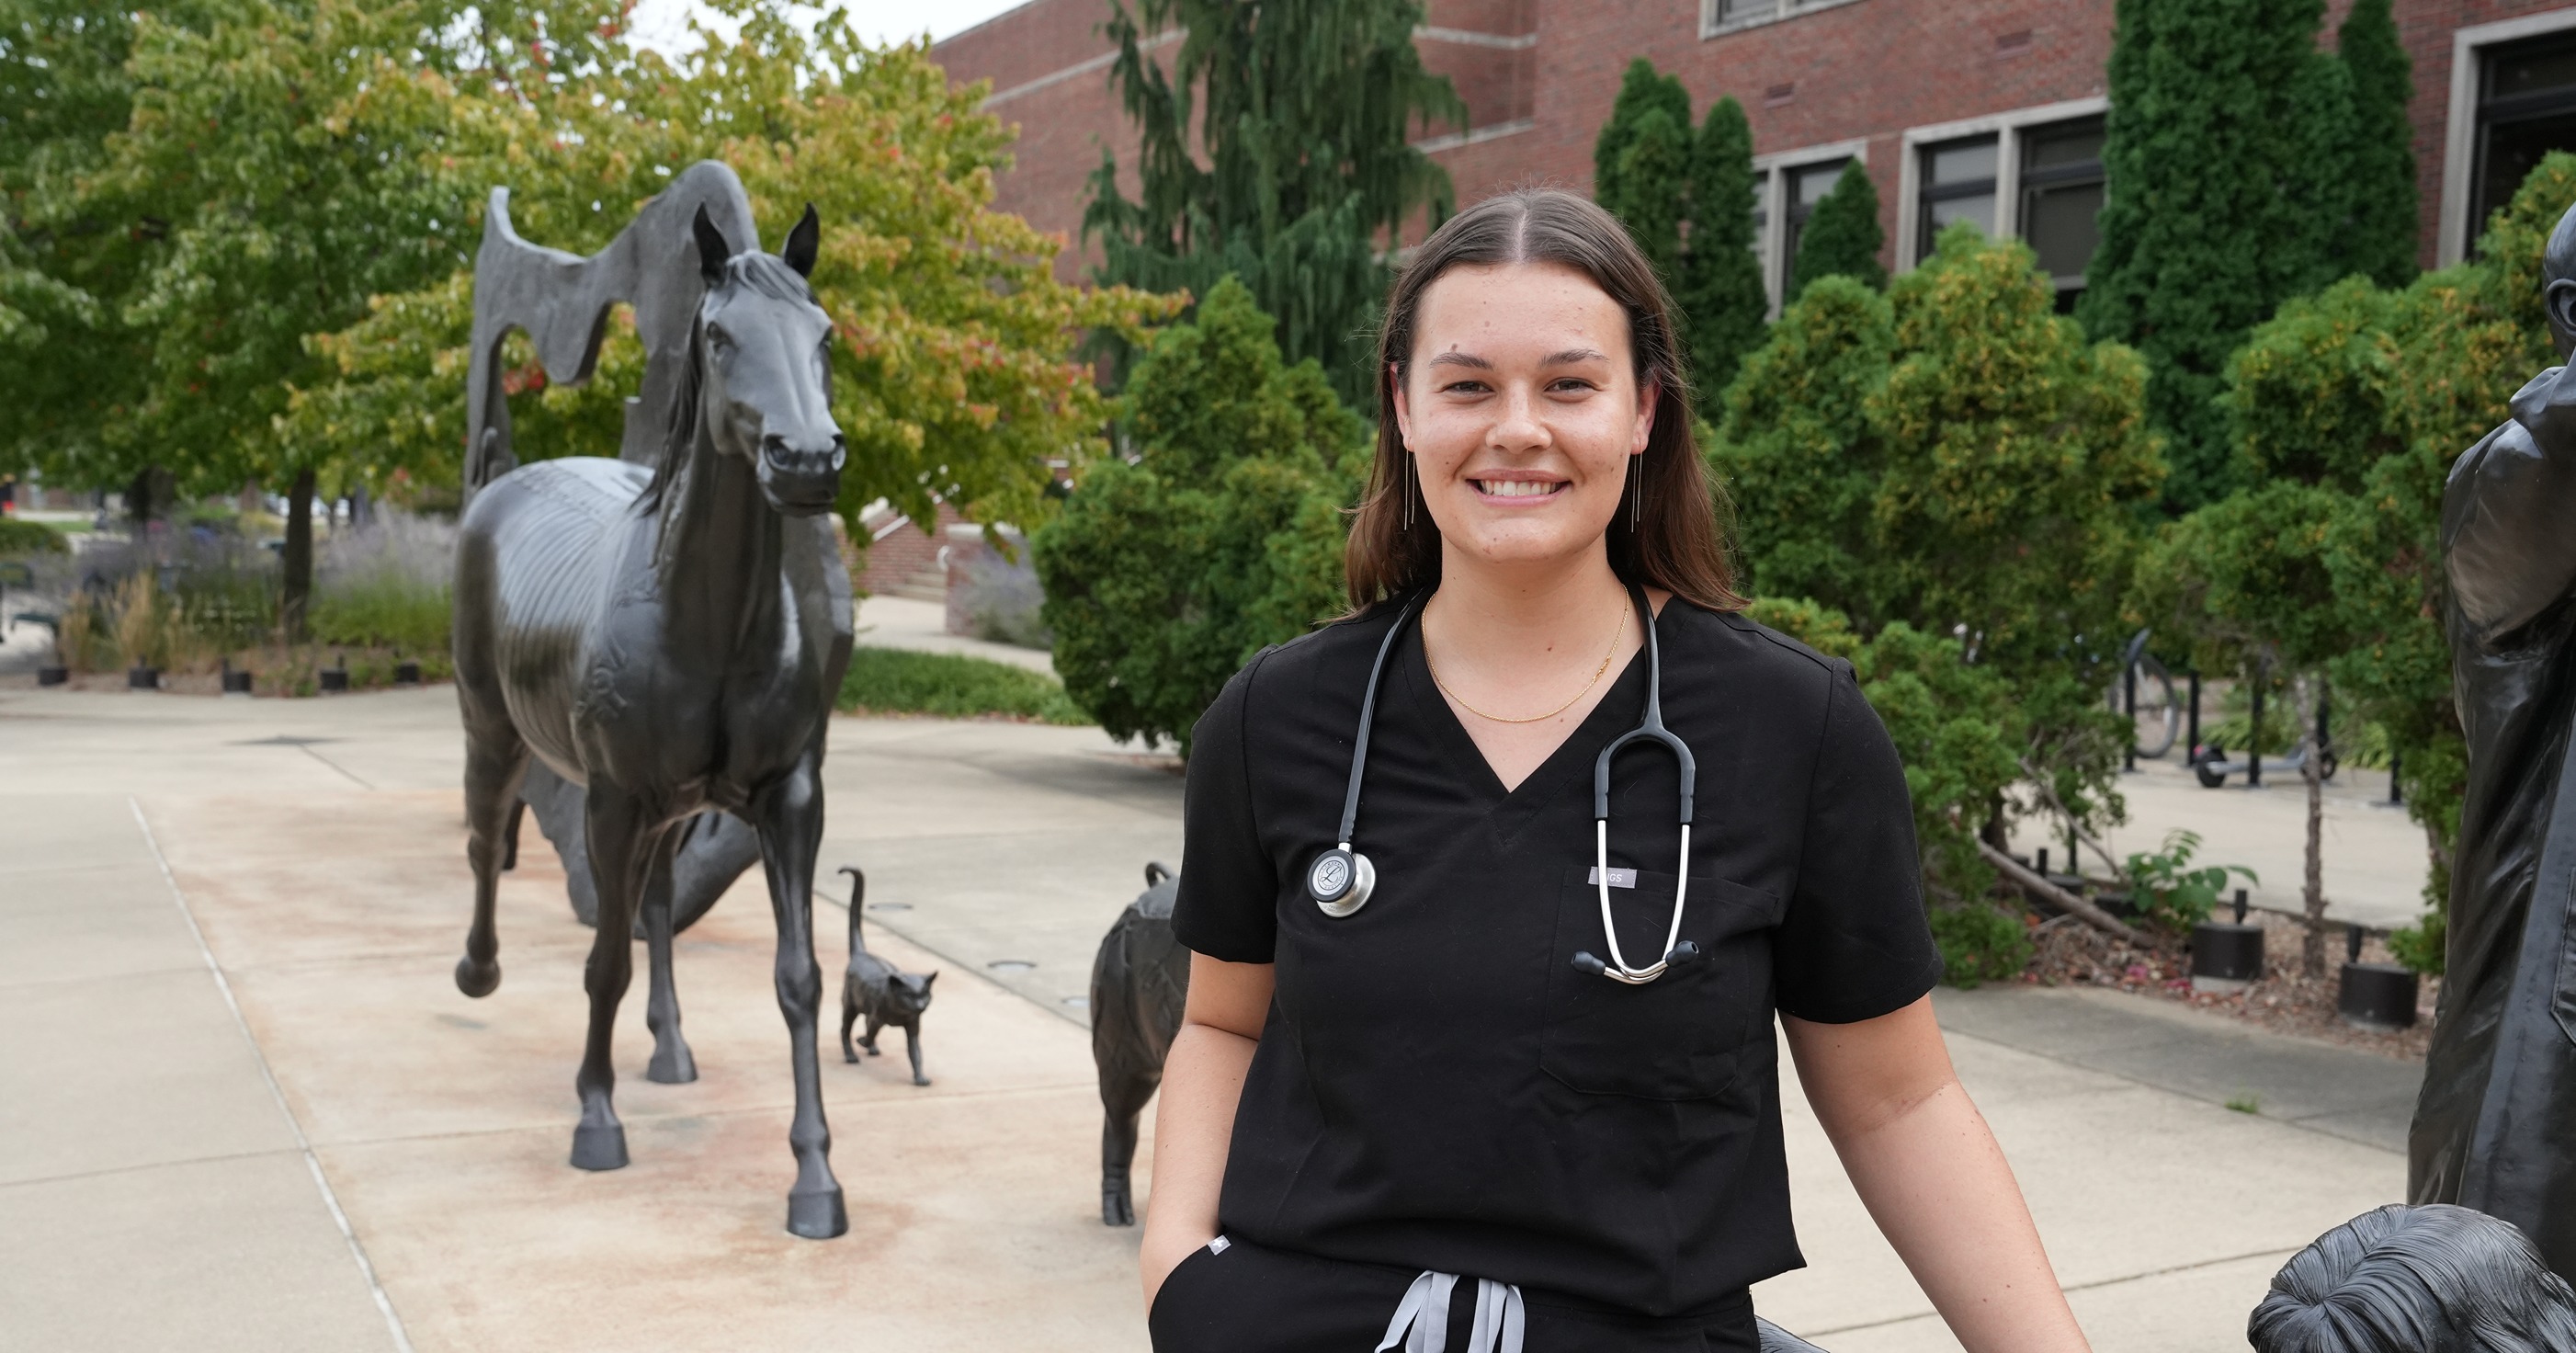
789,817
671,1064
495,757
510,836
620,846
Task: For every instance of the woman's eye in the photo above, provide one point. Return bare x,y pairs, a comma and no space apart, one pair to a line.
1569,385
1463,388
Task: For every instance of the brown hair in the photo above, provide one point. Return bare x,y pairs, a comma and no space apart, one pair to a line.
1676,544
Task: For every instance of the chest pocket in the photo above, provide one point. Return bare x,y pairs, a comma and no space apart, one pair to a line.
1681,1036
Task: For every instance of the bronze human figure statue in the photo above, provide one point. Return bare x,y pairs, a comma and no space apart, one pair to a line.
2427,1279
669,639
2495,1129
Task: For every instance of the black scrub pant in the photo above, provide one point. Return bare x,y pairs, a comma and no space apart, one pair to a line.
1253,1299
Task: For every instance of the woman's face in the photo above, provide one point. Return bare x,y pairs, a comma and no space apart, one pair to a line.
1521,408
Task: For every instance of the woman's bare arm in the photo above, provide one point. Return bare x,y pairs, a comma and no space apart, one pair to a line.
1194,1121
1931,1175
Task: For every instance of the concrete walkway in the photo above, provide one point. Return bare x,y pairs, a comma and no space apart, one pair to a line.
403,1184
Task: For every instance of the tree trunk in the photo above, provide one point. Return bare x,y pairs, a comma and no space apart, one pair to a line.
295,589
2057,897
2310,695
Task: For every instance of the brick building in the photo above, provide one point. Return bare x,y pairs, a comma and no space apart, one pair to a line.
1988,110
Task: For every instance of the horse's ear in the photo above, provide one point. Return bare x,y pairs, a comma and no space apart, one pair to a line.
802,242
712,249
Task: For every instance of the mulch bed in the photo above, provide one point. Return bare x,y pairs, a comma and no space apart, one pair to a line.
2071,953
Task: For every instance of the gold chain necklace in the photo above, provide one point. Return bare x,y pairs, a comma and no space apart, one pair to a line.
1615,636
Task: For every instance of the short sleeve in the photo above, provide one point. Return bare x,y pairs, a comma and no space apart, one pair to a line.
1855,943
1227,908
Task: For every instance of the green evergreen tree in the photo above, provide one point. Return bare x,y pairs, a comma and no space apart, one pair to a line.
1654,189
1163,576
1300,178
1641,91
1721,294
2199,239
1843,238
2381,243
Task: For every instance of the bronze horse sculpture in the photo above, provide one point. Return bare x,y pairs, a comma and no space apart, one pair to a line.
667,639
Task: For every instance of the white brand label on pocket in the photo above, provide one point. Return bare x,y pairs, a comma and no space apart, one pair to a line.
1619,878
1220,1245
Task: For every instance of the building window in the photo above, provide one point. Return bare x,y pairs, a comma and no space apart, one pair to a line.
2061,199
2526,109
1723,16
1806,185
1959,184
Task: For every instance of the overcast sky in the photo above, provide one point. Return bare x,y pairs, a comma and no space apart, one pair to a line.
663,24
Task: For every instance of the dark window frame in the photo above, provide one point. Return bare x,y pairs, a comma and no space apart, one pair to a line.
1794,213
2492,111
1927,192
2037,180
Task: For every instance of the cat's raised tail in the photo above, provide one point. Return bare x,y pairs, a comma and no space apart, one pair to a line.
858,896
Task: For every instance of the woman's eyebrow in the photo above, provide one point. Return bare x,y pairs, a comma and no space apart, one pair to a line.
1467,359
1573,355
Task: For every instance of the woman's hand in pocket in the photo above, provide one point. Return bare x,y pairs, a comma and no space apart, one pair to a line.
1161,1253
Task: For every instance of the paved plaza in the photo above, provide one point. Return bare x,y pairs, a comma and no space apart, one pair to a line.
244,1107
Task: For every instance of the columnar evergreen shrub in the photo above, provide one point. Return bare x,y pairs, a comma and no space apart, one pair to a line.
1687,198
1721,292
2381,241
1224,534
1842,238
2245,167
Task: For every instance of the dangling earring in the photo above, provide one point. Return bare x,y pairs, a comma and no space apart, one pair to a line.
1636,489
1408,490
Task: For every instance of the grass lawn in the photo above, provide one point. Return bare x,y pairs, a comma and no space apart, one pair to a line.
952,686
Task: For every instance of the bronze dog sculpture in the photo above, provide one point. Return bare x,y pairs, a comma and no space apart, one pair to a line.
668,640
1139,982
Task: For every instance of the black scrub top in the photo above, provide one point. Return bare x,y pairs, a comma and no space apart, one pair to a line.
1437,1087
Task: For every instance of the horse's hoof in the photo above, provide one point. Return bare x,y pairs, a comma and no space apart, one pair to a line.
477,980
599,1146
672,1067
818,1215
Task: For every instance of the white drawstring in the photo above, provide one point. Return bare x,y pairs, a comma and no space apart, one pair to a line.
1421,1323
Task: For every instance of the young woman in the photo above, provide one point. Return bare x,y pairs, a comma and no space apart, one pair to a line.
1452,1032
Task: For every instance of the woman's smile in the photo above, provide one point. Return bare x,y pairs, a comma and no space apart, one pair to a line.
1510,488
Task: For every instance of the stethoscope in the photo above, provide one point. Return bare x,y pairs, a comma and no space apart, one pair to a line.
1341,879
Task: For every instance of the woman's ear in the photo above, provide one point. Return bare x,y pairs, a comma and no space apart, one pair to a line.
1649,397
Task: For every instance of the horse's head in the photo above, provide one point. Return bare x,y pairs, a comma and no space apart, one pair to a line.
765,367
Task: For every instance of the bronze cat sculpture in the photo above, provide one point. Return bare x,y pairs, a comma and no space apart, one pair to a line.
667,637
872,990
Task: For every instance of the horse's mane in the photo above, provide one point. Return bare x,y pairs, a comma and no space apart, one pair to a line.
764,273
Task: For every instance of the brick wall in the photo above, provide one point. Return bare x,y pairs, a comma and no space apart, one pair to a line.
903,551
1868,69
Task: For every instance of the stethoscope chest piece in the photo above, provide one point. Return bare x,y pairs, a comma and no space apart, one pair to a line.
1340,880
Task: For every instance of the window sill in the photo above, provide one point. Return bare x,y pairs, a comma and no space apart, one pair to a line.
1711,27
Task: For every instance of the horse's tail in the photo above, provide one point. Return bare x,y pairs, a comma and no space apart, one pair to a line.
858,898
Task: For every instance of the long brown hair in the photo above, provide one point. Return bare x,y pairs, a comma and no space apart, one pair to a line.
1676,544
